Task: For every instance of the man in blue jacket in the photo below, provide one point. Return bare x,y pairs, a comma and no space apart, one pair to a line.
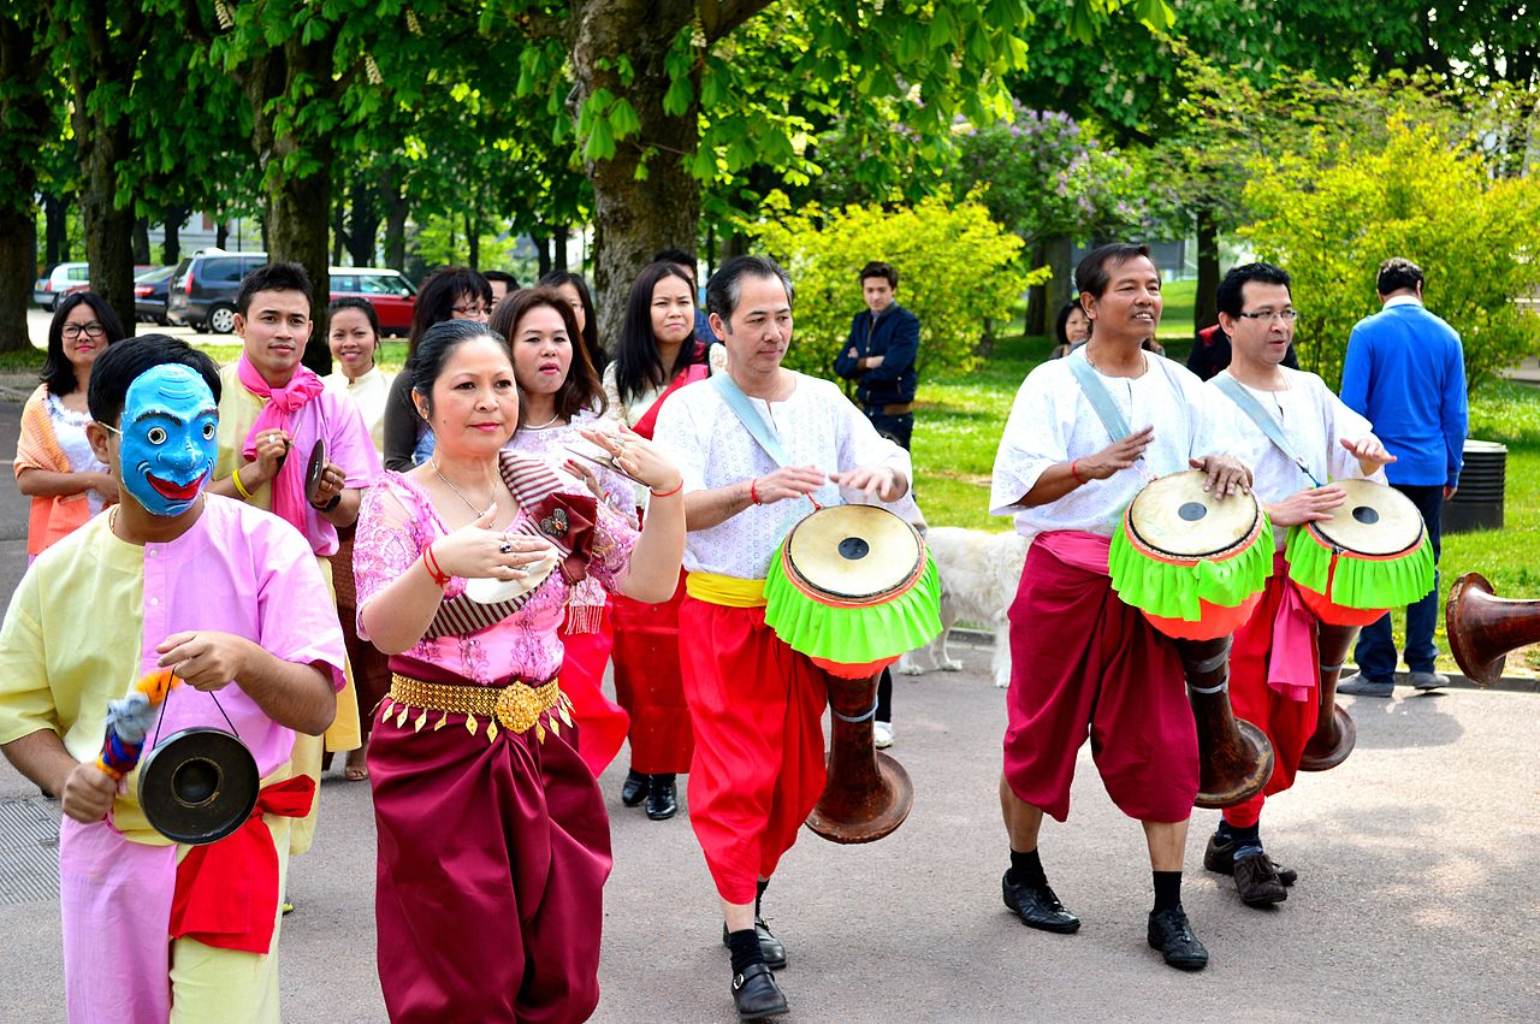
1405,371
879,356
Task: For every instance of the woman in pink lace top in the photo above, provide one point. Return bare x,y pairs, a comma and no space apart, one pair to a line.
493,844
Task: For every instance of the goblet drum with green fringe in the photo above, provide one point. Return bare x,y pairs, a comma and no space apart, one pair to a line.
852,588
1196,565
1371,555
1193,563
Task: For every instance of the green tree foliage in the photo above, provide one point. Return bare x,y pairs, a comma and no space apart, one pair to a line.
957,268
1332,214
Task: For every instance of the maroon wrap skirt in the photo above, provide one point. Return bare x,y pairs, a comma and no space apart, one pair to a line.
491,866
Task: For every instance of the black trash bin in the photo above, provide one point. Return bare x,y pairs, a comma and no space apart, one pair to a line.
1478,504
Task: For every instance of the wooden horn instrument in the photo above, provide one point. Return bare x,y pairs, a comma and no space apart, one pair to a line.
1335,733
1235,758
868,794
1483,627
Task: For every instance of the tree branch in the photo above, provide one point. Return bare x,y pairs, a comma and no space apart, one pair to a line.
720,17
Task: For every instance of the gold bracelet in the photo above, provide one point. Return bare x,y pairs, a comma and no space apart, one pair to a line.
240,488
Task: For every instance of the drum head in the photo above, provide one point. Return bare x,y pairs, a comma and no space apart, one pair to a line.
198,786
314,469
1375,520
854,552
485,590
1175,516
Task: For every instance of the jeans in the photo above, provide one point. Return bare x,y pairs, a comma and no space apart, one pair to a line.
896,428
1376,651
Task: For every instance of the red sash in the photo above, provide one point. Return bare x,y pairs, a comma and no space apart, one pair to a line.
689,375
227,892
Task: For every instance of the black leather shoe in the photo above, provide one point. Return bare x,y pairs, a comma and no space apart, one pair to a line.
1172,935
1219,857
1256,879
770,947
756,994
662,798
635,789
1038,907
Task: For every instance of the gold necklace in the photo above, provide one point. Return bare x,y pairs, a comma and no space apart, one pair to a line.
438,470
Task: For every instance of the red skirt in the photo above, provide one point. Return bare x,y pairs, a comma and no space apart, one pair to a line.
582,679
1288,723
492,858
648,683
1083,663
757,711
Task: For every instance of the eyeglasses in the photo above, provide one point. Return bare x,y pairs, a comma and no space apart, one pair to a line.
476,310
1288,316
92,330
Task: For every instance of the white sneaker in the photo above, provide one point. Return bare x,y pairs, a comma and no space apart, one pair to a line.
882,735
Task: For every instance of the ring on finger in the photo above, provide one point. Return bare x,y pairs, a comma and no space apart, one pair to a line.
506,547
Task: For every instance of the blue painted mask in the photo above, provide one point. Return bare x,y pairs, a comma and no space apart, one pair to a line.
169,425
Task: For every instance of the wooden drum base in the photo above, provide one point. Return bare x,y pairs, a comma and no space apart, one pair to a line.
1330,747
873,814
1230,775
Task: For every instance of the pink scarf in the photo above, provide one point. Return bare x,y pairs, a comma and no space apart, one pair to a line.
278,414
1293,670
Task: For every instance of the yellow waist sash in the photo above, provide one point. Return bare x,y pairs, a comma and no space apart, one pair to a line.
729,591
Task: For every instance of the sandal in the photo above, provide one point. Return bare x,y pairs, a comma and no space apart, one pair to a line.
355,772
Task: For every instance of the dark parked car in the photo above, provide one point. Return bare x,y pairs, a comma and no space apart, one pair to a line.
202,293
150,290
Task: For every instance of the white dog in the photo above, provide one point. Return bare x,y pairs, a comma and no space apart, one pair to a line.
979,574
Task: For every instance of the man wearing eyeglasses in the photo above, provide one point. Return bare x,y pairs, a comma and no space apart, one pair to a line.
1274,670
1405,370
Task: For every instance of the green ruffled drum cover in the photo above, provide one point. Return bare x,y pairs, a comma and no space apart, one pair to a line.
1356,581
863,633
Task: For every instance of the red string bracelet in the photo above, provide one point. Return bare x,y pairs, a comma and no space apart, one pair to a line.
753,494
670,494
1074,474
431,564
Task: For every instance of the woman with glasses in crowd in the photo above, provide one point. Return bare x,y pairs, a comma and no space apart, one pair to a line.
54,464
449,293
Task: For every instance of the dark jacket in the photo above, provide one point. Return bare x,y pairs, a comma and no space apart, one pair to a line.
1211,353
895,336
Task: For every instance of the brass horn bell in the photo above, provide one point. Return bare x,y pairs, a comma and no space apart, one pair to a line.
198,786
1483,627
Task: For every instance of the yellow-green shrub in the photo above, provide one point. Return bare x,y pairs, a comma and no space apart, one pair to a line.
956,268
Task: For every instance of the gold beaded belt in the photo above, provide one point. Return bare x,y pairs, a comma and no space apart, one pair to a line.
516,707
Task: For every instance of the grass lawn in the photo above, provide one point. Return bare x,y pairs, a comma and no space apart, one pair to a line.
958,428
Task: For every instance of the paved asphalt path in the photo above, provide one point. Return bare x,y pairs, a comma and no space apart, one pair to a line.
1417,899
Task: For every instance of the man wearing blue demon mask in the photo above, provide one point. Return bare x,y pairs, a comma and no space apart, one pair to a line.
230,599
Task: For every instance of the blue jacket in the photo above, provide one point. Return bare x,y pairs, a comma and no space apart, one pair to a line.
895,336
1405,371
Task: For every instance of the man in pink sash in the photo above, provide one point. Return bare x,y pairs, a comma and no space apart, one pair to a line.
272,412
1274,667
1083,662
231,601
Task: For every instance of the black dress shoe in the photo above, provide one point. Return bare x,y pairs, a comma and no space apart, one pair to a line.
1038,907
1172,935
770,947
1219,857
756,995
635,789
1256,879
662,797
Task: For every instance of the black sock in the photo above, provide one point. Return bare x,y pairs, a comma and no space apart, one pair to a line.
1225,832
759,897
1026,869
1168,890
1247,838
744,947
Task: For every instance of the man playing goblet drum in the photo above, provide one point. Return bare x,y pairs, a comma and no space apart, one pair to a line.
1273,663
229,599
755,704
1082,661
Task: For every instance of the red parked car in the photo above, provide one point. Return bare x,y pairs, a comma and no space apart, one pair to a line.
392,295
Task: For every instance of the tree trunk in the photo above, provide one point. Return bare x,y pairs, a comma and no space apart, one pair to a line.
635,218
542,254
18,269
141,244
1057,253
339,228
472,242
395,222
171,246
1205,309
363,220
222,234
297,211
559,238
56,240
109,230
